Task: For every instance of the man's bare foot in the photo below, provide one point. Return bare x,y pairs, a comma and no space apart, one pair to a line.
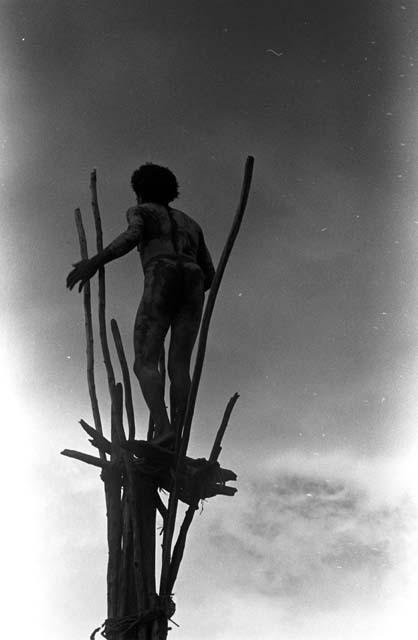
165,439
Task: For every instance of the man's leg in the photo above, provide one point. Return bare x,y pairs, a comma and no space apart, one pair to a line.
151,326
184,331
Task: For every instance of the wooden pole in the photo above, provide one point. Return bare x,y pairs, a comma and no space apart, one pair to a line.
203,335
112,480
207,316
162,370
216,449
89,329
126,379
114,509
127,600
84,457
97,439
102,283
188,518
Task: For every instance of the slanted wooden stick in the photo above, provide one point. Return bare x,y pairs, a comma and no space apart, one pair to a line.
151,427
102,283
84,457
203,335
126,379
89,330
180,546
161,368
204,330
114,509
126,600
98,439
188,518
216,449
161,507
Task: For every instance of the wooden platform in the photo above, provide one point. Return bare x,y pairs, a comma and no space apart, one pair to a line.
200,478
149,451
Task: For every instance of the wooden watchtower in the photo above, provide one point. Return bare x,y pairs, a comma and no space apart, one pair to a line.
134,471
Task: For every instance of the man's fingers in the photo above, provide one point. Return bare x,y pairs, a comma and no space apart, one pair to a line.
72,279
69,282
79,275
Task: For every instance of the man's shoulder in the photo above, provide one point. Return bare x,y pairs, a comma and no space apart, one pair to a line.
185,219
139,210
133,212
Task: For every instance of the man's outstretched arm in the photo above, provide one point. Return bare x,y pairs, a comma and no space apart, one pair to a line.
125,242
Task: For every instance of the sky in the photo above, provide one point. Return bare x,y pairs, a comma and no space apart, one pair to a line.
315,324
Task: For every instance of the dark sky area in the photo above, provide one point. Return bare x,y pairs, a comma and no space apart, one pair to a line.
315,322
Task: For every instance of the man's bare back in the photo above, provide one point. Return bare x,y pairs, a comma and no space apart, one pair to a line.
178,270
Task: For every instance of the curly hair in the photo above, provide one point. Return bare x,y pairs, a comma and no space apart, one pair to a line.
155,184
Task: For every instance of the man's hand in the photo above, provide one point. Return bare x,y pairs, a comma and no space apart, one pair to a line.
82,272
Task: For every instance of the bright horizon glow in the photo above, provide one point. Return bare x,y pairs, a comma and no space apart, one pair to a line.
24,574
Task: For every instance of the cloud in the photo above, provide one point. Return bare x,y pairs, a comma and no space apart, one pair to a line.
308,542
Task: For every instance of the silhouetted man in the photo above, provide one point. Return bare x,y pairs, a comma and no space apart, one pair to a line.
178,270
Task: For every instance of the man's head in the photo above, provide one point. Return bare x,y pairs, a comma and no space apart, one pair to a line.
153,183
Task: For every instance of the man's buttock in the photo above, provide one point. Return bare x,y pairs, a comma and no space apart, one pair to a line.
170,282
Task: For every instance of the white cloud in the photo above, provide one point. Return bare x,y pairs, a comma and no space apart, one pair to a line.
307,549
